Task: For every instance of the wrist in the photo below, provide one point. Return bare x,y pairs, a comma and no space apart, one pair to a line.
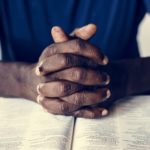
119,72
28,81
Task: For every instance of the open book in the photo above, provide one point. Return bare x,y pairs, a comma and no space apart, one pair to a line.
25,126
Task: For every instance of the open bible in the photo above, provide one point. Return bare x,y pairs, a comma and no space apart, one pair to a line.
25,126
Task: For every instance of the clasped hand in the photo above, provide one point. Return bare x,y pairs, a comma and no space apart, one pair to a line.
72,75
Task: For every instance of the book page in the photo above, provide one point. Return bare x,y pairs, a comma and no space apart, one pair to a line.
127,128
134,123
25,126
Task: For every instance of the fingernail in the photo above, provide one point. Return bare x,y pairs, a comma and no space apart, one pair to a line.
38,89
87,28
39,98
105,60
105,78
39,86
104,112
108,94
56,29
39,69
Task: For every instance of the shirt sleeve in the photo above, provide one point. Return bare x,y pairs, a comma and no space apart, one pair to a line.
147,5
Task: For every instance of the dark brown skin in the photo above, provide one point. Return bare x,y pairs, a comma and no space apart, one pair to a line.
72,75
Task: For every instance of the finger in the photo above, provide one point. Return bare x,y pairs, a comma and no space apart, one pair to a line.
91,113
62,61
58,88
56,106
85,32
82,76
86,98
58,35
77,47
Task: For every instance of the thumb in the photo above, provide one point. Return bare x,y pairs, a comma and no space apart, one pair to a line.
84,33
59,35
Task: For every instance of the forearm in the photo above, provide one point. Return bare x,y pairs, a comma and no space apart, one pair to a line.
131,76
14,78
139,81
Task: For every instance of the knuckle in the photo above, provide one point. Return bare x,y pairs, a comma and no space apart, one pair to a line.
67,59
48,51
64,88
79,44
78,99
92,115
63,109
99,77
61,88
64,59
79,74
93,51
61,59
51,49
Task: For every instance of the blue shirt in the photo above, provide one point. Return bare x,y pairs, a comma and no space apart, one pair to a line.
25,25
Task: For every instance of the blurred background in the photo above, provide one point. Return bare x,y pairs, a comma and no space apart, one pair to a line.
143,37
